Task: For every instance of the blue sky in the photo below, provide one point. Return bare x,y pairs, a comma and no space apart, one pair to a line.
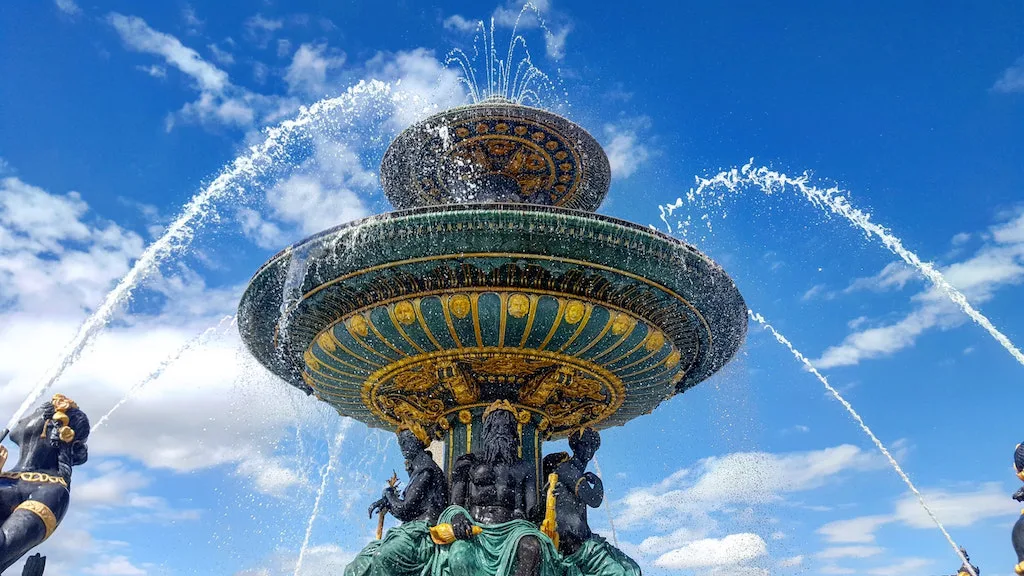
114,114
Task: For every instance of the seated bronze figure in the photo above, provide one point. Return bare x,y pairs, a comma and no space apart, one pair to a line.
34,495
576,490
408,547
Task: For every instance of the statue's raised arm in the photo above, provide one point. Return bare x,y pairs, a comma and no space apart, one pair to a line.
34,495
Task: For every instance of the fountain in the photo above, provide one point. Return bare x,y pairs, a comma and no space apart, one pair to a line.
492,312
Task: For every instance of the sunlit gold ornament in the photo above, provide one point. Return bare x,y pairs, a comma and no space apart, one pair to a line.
574,311
500,405
62,403
405,313
673,359
61,417
66,434
654,341
621,323
357,326
416,429
444,533
518,305
459,305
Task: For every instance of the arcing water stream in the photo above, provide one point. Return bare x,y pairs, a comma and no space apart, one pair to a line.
180,232
864,427
156,373
325,475
833,200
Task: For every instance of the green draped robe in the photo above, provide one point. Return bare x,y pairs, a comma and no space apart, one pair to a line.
406,550
492,552
596,557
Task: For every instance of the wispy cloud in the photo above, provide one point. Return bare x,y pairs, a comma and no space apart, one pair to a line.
956,509
625,146
308,70
459,23
731,550
68,7
1012,79
998,263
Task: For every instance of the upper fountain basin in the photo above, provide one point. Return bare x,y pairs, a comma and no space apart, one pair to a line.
495,151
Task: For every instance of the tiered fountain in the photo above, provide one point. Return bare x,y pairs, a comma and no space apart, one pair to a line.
493,287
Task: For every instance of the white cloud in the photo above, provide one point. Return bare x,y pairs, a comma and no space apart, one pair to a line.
791,562
220,55
68,7
894,276
308,71
153,70
853,531
284,47
260,29
423,85
729,551
1012,79
51,260
738,478
219,102
320,560
626,153
138,36
836,552
191,19
955,509
115,566
554,42
459,24
327,190
904,567
680,537
996,264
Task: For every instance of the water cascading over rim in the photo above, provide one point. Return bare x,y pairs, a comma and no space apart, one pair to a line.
496,281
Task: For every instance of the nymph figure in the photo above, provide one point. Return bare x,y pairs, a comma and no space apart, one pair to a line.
493,493
1017,536
578,489
406,548
34,495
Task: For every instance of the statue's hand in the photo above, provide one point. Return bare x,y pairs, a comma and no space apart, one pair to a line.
592,478
462,527
380,505
54,433
560,491
1019,495
34,565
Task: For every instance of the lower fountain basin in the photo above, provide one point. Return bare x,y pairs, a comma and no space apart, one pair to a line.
579,319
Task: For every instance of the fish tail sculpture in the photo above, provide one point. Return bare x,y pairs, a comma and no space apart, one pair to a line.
549,526
444,534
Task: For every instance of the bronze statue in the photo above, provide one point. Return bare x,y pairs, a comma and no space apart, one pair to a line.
1017,536
575,491
34,495
407,547
493,494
